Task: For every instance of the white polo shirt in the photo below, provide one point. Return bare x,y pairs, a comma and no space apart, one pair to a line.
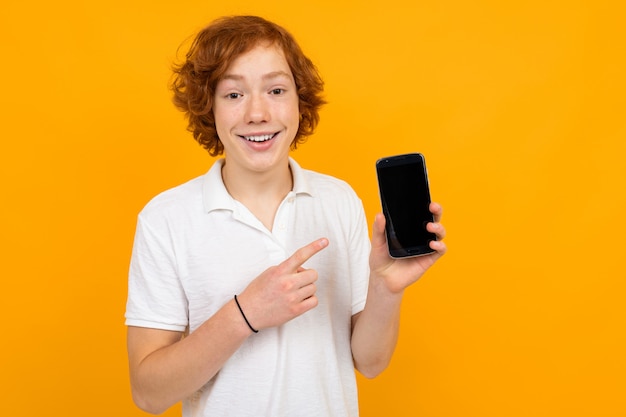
195,247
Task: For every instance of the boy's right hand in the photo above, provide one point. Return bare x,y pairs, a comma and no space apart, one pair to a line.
282,292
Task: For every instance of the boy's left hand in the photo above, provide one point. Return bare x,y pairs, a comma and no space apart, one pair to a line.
398,274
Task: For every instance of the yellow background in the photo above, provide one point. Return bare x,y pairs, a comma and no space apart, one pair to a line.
518,106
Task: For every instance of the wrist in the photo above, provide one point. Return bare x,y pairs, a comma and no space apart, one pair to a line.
379,287
243,315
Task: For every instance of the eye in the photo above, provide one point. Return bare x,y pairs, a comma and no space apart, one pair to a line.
277,91
233,96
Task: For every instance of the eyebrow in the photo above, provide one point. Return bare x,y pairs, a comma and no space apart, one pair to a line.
268,76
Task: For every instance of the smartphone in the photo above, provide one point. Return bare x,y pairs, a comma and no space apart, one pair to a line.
405,197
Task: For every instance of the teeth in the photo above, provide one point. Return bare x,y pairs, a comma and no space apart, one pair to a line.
261,138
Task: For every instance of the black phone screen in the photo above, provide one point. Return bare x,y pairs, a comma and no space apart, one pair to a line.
405,197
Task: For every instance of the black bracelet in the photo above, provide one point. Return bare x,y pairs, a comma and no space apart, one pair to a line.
244,316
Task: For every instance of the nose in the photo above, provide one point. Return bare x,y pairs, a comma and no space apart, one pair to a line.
257,110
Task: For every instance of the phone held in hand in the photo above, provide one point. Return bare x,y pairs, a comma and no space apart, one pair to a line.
405,198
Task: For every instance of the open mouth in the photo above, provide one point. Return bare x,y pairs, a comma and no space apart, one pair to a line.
259,138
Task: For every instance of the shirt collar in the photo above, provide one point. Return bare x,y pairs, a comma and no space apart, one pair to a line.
216,197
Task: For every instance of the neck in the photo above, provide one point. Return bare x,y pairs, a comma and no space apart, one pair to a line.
251,184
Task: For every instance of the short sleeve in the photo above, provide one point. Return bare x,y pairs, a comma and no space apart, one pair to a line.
156,298
360,260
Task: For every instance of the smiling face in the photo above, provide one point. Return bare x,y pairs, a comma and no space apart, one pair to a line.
256,109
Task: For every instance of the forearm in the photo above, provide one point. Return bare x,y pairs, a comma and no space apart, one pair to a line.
173,372
375,331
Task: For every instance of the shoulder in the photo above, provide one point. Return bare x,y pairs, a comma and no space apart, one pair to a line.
333,193
175,201
323,183
317,184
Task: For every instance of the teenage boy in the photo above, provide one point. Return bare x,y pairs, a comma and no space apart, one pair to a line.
254,289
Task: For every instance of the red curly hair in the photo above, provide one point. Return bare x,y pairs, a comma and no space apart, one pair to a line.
210,55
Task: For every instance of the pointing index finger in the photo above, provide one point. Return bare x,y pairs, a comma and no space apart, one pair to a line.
303,254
